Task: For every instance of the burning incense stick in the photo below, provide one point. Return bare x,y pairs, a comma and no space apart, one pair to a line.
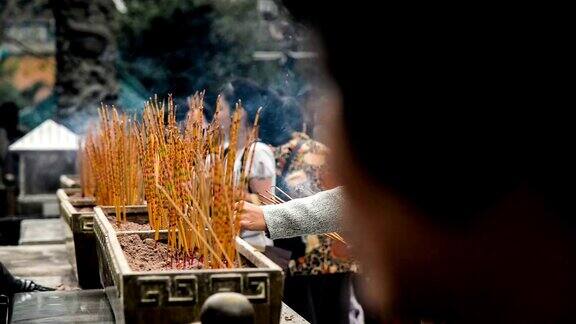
189,180
87,176
110,159
186,175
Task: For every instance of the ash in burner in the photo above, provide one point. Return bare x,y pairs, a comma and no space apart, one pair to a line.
128,225
149,255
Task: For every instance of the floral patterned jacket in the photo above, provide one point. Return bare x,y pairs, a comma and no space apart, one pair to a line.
303,178
304,175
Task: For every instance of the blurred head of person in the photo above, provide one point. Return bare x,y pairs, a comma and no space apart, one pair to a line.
275,126
456,161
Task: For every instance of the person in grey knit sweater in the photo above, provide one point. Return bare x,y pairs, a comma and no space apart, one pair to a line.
316,214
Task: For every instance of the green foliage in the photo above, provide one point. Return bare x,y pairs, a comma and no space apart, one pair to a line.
176,46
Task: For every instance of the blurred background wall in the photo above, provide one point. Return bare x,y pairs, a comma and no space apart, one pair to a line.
61,59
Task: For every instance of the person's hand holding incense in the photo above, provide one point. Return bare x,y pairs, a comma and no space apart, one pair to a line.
252,198
316,214
252,217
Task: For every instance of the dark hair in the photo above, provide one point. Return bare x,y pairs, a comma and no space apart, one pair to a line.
462,113
274,127
292,113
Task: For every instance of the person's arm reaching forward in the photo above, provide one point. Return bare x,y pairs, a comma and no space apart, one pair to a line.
316,214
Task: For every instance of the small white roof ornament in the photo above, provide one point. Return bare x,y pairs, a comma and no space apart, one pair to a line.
49,136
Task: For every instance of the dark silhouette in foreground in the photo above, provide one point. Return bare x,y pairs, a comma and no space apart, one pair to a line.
456,159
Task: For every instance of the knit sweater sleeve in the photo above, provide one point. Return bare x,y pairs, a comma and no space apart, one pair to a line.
319,213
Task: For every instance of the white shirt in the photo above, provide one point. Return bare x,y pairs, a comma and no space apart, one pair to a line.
264,166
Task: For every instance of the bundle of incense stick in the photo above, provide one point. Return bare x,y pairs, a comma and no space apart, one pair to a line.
189,181
272,199
111,154
87,177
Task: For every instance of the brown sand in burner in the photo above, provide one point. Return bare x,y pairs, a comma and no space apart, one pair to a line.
149,255
144,255
128,225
